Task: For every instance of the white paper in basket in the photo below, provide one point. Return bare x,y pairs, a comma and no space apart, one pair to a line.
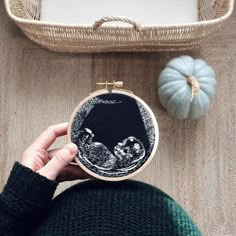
146,12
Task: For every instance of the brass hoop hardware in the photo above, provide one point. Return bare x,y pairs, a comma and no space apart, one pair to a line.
114,84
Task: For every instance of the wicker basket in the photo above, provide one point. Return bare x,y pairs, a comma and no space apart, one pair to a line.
100,38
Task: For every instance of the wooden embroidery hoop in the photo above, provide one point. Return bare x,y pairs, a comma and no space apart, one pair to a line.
115,89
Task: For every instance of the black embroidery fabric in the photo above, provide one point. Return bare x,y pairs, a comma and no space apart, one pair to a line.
115,134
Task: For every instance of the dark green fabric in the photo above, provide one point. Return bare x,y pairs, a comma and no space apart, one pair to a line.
89,208
24,200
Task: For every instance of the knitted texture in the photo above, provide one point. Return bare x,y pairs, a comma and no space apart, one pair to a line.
89,208
24,200
122,208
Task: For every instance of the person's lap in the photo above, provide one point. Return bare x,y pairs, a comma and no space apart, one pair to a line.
116,208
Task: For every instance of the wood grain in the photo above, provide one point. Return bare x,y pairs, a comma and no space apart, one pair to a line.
195,162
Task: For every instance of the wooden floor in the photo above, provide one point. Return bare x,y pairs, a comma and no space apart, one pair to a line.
195,162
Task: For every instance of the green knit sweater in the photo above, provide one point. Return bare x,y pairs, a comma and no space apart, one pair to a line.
89,208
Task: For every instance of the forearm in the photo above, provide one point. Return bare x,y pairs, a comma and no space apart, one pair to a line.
24,200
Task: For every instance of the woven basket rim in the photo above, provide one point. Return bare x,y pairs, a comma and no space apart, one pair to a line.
89,26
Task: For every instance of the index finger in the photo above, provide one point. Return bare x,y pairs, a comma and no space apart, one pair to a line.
47,138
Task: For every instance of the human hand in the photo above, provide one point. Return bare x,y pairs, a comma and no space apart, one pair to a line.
53,164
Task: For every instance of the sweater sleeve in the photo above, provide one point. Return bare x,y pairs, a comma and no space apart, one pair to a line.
24,200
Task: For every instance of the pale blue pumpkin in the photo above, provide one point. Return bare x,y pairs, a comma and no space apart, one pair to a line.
186,87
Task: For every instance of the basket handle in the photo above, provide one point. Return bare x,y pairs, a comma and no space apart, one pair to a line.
98,23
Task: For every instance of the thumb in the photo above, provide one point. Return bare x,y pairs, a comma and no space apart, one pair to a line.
61,159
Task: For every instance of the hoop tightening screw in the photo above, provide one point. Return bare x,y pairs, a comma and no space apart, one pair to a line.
115,84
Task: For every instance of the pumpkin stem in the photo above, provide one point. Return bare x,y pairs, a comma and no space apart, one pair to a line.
192,80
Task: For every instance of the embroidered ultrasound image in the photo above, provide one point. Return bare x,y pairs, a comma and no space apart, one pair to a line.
114,133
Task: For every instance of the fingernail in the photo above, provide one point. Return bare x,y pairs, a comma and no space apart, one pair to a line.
72,148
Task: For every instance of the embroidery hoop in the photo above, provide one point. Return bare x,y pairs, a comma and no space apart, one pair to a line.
115,90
